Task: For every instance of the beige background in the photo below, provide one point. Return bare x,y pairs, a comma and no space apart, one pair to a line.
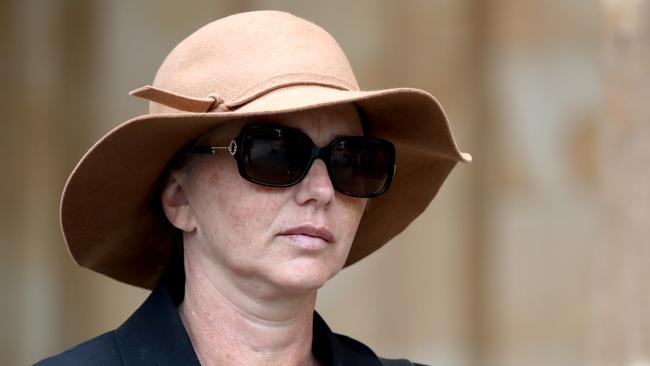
535,254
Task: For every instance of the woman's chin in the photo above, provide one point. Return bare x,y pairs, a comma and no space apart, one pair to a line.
304,275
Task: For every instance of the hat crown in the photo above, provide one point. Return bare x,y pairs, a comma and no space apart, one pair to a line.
240,57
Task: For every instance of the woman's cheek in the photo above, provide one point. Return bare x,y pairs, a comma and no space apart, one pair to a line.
248,215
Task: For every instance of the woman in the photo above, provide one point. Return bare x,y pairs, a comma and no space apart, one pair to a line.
260,171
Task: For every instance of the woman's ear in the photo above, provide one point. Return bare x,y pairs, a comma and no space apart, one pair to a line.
175,203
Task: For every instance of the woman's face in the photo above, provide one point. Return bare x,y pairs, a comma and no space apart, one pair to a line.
291,239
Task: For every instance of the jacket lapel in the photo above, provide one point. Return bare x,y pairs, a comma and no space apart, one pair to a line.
155,335
339,350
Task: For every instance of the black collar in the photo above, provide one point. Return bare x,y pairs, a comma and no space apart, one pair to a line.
155,335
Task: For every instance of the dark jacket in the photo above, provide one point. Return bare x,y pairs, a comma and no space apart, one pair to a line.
155,335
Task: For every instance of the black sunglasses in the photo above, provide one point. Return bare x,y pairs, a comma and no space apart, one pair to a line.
280,156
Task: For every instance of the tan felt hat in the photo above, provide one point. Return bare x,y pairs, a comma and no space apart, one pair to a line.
245,65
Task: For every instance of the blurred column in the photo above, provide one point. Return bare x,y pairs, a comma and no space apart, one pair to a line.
31,176
544,95
621,311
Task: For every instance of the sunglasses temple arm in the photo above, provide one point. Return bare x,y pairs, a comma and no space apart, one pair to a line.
204,149
213,149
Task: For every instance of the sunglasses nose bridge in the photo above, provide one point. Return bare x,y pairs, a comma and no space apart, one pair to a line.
322,154
316,184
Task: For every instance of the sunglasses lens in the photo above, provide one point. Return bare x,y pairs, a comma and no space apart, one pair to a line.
361,166
279,156
274,156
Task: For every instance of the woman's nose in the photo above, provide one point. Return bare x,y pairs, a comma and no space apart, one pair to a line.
316,186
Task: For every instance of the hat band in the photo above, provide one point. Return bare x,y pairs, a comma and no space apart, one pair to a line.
179,101
214,102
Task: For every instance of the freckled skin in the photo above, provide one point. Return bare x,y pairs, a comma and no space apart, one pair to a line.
237,221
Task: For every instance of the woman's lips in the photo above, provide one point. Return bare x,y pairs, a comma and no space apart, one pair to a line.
309,236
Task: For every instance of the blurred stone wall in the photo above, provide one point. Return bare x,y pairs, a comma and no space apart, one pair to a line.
620,327
534,254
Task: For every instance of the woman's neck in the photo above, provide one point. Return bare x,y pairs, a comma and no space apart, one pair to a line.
228,326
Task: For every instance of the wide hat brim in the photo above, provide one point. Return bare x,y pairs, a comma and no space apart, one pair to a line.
110,214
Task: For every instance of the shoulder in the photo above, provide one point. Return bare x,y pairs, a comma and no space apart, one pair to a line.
353,345
99,351
357,347
398,362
